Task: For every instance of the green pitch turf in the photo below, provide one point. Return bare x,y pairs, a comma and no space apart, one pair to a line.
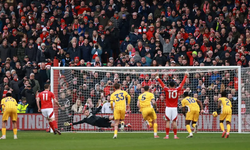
40,140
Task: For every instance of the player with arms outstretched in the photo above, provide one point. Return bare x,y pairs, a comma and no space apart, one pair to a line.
171,104
92,119
148,112
119,98
9,107
226,113
193,112
47,107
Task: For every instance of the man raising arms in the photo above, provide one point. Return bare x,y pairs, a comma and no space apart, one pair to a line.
171,104
119,98
47,107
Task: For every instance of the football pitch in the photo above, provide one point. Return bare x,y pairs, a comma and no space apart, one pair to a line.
40,140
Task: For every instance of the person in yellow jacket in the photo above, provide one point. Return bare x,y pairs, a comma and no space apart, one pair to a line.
22,107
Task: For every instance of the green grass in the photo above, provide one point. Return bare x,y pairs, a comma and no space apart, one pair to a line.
40,140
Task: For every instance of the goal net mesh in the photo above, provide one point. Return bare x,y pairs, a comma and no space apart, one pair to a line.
83,88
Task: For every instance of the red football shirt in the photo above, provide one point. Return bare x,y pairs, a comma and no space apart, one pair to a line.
172,93
46,99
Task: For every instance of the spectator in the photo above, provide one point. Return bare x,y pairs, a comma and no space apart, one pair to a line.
161,104
30,96
124,27
22,107
96,52
77,107
74,51
34,83
167,44
14,85
106,108
4,50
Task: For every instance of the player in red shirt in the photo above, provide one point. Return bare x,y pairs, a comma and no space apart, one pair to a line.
171,104
47,107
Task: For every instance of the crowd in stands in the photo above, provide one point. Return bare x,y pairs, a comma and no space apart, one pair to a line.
90,33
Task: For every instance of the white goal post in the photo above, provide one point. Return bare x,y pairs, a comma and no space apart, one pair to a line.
84,84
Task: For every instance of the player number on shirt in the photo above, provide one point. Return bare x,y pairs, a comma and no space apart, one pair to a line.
191,100
172,94
143,97
119,97
45,96
227,102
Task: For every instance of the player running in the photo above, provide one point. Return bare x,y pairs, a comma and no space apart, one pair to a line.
9,107
193,112
119,98
171,104
92,119
226,113
47,107
148,112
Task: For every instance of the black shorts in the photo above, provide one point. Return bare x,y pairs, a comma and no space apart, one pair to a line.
103,122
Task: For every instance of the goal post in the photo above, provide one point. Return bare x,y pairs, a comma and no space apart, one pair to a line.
82,88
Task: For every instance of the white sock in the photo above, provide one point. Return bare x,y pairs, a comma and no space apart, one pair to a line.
155,134
191,133
4,136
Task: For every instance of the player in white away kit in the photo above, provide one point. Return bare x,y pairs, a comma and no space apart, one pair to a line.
171,104
47,107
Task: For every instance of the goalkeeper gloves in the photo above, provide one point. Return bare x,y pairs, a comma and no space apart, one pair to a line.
67,124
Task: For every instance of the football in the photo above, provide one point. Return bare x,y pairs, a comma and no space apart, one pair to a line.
215,114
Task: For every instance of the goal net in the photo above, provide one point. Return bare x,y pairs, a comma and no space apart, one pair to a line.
80,88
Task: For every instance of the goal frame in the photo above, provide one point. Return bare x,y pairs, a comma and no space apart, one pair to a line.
140,68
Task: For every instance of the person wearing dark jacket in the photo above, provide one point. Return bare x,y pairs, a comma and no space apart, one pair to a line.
14,85
30,51
124,27
13,49
30,97
21,51
160,58
52,52
27,69
42,72
135,36
4,51
64,37
19,70
74,51
123,46
86,51
14,36
41,53
135,21
105,45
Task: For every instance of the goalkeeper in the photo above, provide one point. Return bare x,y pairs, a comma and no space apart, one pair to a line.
92,119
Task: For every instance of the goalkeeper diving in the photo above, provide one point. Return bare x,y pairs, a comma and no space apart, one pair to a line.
92,119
